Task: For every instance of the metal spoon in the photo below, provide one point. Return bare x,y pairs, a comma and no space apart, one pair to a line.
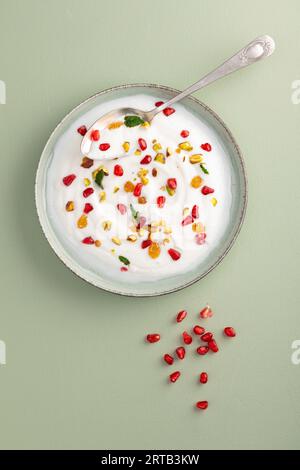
261,47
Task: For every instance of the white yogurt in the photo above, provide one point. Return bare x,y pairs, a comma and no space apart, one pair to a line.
104,260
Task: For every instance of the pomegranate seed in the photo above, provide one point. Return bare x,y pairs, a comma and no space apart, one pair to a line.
153,338
200,238
202,350
87,192
123,269
187,339
159,103
95,135
180,352
181,316
82,130
206,147
88,241
174,376
168,359
198,330
137,189
175,255
184,133
87,208
67,180
195,212
146,243
122,208
206,312
213,346
142,221
202,405
146,160
203,378
104,147
207,190
142,144
118,170
229,331
161,201
168,111
207,337
188,220
172,183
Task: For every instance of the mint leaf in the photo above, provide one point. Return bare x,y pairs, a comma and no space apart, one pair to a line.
134,213
204,169
99,178
124,260
132,121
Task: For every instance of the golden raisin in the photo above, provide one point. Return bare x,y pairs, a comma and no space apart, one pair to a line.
115,125
97,243
154,250
196,182
70,206
82,221
128,187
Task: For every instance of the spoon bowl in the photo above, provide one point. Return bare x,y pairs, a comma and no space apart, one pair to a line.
259,48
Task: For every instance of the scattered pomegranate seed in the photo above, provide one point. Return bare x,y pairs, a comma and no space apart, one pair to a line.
153,338
161,201
159,103
168,359
122,208
181,316
168,111
88,241
172,183
229,331
82,130
118,170
206,147
142,144
104,147
175,255
87,208
123,269
67,180
213,346
146,160
206,312
95,135
207,337
207,190
202,405
187,220
198,330
137,189
202,350
184,133
203,378
187,339
180,352
146,243
195,212
174,376
87,192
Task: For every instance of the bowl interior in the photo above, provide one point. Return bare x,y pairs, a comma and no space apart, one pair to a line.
238,190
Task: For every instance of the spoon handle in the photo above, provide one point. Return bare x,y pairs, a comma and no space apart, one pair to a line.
261,47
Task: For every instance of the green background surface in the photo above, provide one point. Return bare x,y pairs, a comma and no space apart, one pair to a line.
78,373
